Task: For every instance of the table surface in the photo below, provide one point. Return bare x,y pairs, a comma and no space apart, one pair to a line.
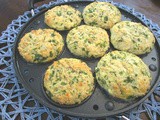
11,9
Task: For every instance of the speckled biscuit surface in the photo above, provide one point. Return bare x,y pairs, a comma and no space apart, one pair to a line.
123,75
101,14
88,41
132,37
69,81
63,17
42,45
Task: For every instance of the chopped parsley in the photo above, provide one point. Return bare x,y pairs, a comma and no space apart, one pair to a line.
129,80
106,18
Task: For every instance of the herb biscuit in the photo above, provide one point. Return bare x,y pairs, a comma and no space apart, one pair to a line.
123,75
69,81
88,41
101,14
132,37
63,17
40,46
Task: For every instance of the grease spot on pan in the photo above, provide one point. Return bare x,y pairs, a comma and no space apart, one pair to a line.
109,105
95,107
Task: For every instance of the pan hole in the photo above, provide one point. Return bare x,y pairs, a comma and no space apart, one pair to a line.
26,72
31,80
153,58
38,22
31,28
76,6
95,107
152,67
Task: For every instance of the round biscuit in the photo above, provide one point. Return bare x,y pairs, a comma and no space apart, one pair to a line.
63,17
88,41
132,37
69,81
40,46
123,75
101,14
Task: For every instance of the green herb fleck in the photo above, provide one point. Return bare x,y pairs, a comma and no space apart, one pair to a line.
106,18
49,94
59,13
85,41
80,15
103,81
66,28
135,63
103,44
83,49
87,52
113,72
52,74
139,39
129,80
146,36
63,91
97,70
145,73
121,40
50,54
130,97
93,23
91,10
39,58
75,79
63,83
134,87
121,72
112,56
79,95
69,13
30,36
52,35
71,20
83,72
52,41
54,84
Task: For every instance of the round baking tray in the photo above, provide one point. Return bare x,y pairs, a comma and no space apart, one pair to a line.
100,104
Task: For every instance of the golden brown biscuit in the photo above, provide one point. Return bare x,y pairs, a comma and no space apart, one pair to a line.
63,17
123,75
132,37
69,81
42,45
101,14
88,41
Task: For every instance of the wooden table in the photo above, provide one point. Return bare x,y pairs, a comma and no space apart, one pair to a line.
11,9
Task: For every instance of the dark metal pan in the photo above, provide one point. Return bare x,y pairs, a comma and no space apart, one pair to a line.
99,104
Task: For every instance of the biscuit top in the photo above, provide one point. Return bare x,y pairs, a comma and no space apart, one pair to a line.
88,41
132,37
63,17
42,45
69,81
123,75
101,14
